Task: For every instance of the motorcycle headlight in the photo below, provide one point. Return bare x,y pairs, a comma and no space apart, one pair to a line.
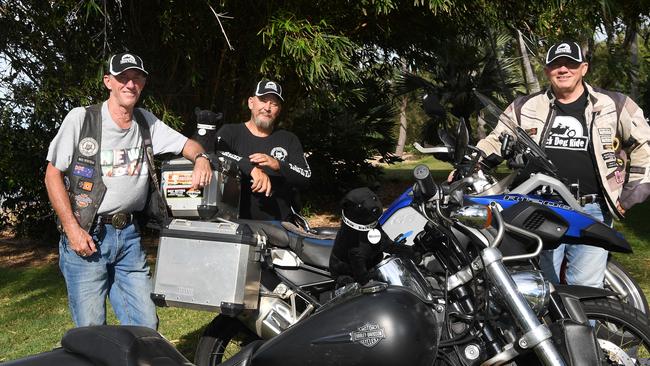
535,289
476,216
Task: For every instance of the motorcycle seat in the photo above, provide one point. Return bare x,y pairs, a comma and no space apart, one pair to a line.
58,356
313,248
113,345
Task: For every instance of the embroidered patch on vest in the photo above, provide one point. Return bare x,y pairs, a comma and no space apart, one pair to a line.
88,146
82,200
81,159
85,185
85,171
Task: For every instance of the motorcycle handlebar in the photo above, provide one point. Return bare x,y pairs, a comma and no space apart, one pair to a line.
426,186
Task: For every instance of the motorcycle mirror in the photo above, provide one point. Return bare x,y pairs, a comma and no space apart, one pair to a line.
462,140
446,138
432,107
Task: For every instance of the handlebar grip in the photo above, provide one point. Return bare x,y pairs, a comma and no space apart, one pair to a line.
424,181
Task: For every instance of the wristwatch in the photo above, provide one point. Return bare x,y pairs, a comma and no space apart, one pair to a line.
201,155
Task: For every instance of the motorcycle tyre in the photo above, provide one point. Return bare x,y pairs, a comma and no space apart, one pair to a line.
625,318
221,340
636,297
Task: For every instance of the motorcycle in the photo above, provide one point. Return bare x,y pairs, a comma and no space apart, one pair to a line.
479,312
534,179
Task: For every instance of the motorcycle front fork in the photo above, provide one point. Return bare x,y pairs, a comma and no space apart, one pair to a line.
536,336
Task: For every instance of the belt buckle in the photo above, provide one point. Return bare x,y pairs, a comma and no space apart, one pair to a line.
120,220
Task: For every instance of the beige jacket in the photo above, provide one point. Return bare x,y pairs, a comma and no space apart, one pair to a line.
617,129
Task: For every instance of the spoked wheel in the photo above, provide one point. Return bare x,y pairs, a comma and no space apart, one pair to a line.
635,295
623,332
221,340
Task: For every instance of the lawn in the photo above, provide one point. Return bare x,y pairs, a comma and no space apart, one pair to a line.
34,313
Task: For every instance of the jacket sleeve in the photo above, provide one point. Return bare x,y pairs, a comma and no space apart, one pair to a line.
295,169
636,135
491,145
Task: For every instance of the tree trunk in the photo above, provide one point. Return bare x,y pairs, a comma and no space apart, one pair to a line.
403,124
532,84
634,60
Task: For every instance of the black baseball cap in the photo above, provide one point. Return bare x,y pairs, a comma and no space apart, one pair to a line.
121,62
268,87
564,49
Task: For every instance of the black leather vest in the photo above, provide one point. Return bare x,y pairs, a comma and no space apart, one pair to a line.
83,180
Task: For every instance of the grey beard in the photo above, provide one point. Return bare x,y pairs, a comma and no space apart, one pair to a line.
264,125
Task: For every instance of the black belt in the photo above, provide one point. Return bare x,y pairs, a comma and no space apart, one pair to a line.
119,220
590,198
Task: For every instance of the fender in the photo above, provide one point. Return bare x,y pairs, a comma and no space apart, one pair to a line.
566,300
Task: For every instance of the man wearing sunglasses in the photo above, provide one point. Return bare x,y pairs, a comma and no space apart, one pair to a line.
597,139
99,177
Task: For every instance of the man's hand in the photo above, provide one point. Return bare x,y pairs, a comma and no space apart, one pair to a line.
260,159
80,241
620,208
261,181
202,173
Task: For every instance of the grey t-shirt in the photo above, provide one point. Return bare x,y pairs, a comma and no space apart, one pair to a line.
124,172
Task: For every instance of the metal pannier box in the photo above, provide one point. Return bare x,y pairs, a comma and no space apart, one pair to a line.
208,266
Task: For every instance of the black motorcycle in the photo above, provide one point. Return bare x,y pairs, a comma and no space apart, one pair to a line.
478,312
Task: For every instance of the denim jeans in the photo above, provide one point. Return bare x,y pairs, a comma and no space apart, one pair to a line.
118,270
585,263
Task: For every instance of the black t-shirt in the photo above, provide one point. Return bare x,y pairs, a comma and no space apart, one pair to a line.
567,145
294,170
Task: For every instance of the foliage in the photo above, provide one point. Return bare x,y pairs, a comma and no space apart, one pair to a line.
340,140
330,56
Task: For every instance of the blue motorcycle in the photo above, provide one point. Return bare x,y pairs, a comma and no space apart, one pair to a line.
534,179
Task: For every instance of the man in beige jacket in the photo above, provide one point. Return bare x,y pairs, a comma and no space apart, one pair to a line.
587,133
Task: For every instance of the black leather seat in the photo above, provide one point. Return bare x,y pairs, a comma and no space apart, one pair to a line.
113,345
313,248
58,356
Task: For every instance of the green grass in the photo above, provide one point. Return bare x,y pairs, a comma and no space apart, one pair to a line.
34,312
636,230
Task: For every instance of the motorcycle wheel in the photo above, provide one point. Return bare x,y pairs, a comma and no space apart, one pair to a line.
221,340
623,332
635,296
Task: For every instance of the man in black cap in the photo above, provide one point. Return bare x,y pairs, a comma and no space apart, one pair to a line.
98,177
271,160
588,133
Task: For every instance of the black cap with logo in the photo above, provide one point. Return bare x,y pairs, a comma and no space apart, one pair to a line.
268,87
121,62
564,49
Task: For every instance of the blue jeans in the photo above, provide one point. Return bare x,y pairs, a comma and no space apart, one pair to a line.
585,263
118,270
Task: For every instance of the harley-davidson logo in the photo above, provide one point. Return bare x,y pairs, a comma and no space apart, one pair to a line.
368,335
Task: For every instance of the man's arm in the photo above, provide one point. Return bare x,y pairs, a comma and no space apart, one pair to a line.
202,173
636,130
79,240
295,169
491,145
